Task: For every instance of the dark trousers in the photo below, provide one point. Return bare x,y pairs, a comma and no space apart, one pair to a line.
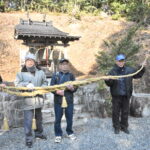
28,116
58,116
120,111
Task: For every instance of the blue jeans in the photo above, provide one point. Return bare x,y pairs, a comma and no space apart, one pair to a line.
28,116
58,116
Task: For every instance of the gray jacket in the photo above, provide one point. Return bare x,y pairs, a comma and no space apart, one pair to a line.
38,80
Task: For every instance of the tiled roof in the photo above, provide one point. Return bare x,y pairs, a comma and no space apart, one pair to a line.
28,29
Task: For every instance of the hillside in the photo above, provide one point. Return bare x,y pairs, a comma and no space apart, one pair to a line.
92,29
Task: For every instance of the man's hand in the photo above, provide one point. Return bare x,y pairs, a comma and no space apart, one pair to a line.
60,92
30,86
144,63
107,79
70,87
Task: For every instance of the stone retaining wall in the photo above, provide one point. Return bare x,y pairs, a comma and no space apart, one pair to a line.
89,102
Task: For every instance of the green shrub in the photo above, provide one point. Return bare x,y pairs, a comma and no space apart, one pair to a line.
126,45
115,16
134,10
101,85
118,8
75,13
96,12
138,12
2,6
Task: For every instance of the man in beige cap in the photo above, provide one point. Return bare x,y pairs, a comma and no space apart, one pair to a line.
31,76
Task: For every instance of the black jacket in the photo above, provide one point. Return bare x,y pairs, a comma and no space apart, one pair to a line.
1,81
59,78
115,85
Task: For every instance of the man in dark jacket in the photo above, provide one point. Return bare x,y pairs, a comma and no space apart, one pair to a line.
1,80
121,91
2,84
58,78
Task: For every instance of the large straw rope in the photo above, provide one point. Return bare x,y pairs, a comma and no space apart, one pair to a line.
24,91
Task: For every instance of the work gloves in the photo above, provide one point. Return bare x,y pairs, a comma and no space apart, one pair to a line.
30,86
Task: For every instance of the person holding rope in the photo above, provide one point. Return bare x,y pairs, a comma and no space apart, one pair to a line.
121,91
59,96
2,84
31,76
1,80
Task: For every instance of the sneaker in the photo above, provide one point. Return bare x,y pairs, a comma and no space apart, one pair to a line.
72,137
58,139
29,144
43,137
116,131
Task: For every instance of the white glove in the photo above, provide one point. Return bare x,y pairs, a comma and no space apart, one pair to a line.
30,86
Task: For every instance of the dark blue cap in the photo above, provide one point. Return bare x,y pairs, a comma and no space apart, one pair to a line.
120,57
63,60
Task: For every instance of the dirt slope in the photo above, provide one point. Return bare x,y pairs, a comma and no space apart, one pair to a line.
93,31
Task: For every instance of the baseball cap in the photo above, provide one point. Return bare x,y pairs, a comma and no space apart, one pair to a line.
30,56
120,57
63,60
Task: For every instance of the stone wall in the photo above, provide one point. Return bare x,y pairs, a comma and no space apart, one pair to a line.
88,100
140,105
140,101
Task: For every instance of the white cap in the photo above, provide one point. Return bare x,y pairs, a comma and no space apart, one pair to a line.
30,56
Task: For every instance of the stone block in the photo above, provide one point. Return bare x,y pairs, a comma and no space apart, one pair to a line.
140,105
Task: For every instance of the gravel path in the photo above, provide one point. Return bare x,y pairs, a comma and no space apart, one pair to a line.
93,134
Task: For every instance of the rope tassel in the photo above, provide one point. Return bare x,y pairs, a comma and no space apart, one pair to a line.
5,124
64,102
34,124
34,127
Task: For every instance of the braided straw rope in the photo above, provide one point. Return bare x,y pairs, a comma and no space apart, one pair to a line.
24,91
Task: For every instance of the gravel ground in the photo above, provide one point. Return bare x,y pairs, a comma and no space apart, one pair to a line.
93,134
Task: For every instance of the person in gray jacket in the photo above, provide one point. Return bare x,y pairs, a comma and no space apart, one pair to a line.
31,76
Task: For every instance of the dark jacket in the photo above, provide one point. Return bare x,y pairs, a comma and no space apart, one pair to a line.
1,81
115,84
60,78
